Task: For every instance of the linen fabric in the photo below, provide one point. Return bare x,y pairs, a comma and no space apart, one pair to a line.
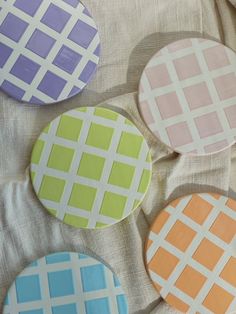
131,33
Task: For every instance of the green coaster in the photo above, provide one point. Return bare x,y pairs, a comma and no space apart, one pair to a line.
91,167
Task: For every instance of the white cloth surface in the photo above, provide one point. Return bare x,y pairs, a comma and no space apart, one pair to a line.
131,32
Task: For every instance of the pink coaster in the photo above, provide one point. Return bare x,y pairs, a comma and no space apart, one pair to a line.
187,96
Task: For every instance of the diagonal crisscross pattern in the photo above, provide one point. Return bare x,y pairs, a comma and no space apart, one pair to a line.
190,254
187,96
66,283
49,50
91,167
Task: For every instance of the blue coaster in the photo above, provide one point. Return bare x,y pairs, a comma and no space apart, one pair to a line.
66,283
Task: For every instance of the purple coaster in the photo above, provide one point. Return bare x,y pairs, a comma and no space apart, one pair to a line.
53,61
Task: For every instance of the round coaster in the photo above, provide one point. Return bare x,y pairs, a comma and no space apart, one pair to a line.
191,254
49,50
66,283
91,167
187,96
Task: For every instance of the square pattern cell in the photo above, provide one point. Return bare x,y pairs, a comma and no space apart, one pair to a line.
52,85
110,115
60,158
55,280
121,175
29,7
158,263
216,57
87,71
225,86
145,179
100,305
190,281
74,220
73,3
230,113
217,293
217,146
13,27
55,18
187,67
113,205
229,269
158,76
122,305
51,188
69,128
75,90
38,311
208,125
82,196
116,281
25,69
28,289
179,45
181,229
5,53
57,258
38,151
65,309
67,59
99,136
82,34
128,139
169,105
208,254
12,89
146,112
224,227
179,134
93,278
40,43
198,209
91,166
197,96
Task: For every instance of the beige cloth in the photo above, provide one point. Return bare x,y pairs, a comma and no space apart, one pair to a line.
131,32
233,2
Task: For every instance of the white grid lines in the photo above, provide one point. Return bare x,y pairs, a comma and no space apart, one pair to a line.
202,232
47,64
102,185
78,297
148,94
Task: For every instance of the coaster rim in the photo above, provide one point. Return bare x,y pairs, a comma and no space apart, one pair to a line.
138,203
97,259
69,97
155,286
176,150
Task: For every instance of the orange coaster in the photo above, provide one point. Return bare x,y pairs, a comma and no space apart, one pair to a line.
191,254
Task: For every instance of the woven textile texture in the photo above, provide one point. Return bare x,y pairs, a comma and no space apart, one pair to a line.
131,33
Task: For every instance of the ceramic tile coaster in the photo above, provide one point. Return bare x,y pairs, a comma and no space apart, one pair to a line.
91,167
49,50
191,254
187,96
66,283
